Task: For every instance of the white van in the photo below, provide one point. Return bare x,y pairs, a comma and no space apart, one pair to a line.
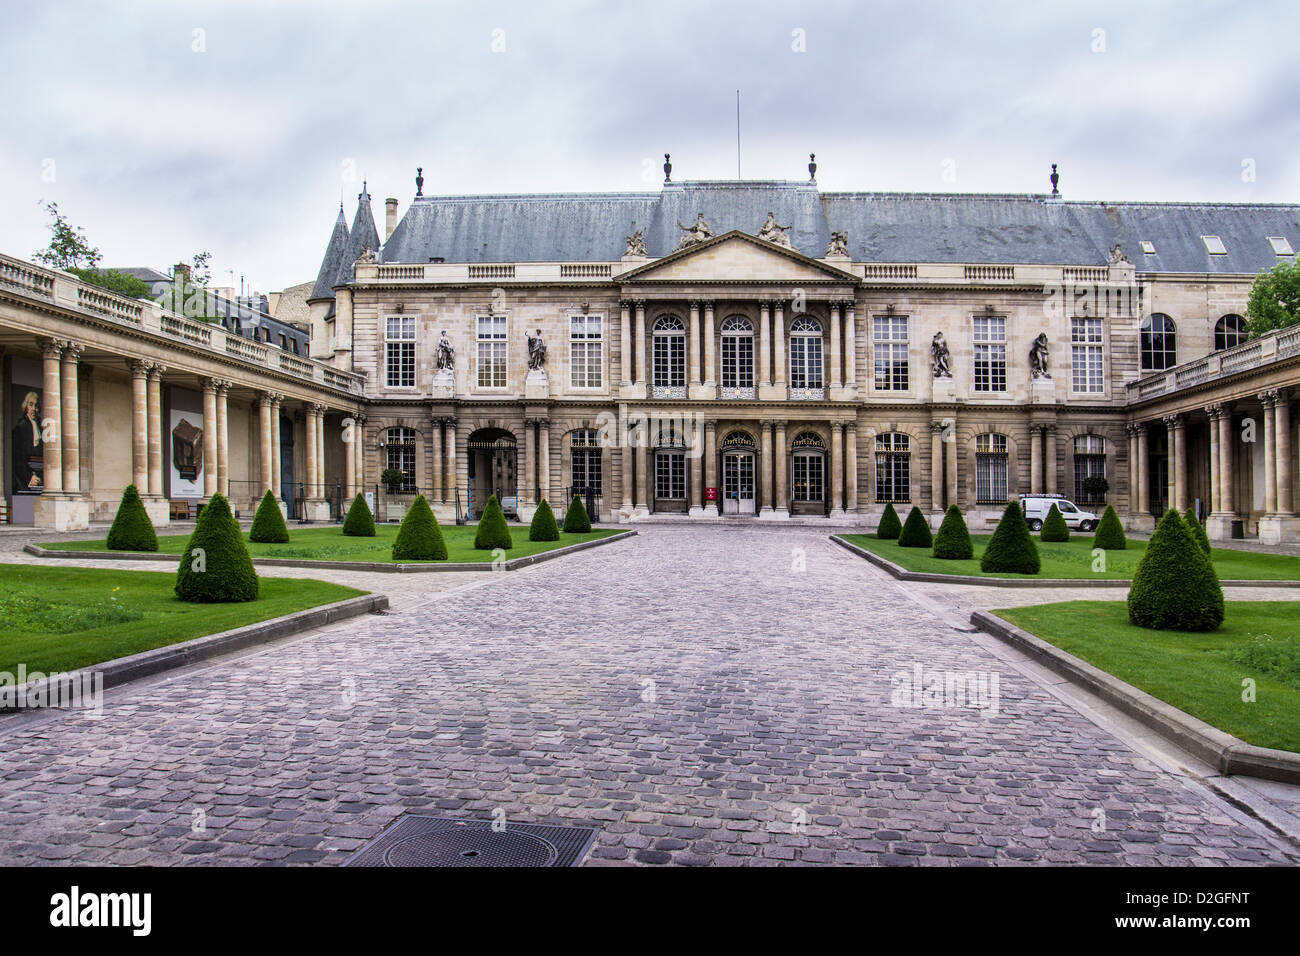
1036,507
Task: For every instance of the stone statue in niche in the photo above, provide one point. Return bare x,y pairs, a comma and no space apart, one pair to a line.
692,234
772,231
940,360
635,245
536,351
446,354
839,245
1038,357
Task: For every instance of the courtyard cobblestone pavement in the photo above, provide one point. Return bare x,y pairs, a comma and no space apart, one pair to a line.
712,695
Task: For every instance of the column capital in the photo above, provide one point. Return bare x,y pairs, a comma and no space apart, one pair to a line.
140,368
625,304
1172,421
707,304
72,350
640,304
1269,397
156,369
52,348
1036,428
1213,411
319,409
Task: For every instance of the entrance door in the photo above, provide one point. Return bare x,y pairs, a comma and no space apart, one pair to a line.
737,484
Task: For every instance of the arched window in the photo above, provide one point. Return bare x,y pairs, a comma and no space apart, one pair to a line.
1159,345
585,465
1229,331
991,469
737,355
806,357
893,467
808,464
1089,460
669,356
399,453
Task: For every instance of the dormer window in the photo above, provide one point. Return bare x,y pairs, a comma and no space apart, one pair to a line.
1148,247
1281,246
1214,245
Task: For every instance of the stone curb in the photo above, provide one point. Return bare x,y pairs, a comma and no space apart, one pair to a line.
135,666
1211,745
904,575
385,567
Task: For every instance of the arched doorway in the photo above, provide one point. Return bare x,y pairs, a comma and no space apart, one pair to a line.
808,475
671,483
738,453
492,461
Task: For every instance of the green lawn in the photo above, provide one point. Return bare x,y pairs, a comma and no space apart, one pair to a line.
328,543
1074,559
59,619
1198,673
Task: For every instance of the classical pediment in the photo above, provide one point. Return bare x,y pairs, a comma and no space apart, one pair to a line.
736,256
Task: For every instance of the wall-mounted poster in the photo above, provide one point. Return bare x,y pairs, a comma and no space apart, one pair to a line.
187,454
28,453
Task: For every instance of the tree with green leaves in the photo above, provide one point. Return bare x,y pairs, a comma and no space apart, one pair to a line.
69,248
1175,587
1274,301
1011,550
216,566
1110,532
419,538
953,538
890,527
113,281
543,526
268,524
576,519
1054,526
916,531
493,532
359,523
1197,529
132,530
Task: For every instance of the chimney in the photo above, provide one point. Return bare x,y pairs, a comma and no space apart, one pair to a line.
181,271
390,208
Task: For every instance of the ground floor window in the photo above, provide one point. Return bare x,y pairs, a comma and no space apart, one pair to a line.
585,467
1089,461
399,450
670,475
991,469
893,468
809,476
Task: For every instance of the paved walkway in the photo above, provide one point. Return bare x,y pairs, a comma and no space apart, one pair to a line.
716,695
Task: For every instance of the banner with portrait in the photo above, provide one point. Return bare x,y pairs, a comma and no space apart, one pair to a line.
27,450
187,454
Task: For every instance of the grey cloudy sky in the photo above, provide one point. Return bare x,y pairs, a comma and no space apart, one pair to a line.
245,147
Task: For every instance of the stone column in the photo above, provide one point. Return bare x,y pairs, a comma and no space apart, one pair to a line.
1049,479
1269,400
51,418
1132,467
851,347
778,342
223,440
1036,458
277,474
1226,496
1177,463
1212,413
625,342
71,421
140,431
693,356
851,467
320,451
529,489
209,435
951,462
643,440
311,451
710,348
350,462
836,377
696,494
544,460
837,469
627,453
155,430
359,453
1144,472
764,344
937,480
644,479
642,346
1285,455
782,471
764,489
435,438
453,477
711,461
264,416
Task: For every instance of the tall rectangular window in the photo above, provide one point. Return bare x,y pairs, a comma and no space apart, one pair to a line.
891,353
399,449
991,469
990,353
893,467
399,352
585,351
1089,461
492,351
1087,362
670,475
585,470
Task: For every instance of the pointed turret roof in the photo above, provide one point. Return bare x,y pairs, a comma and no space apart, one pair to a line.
329,267
362,236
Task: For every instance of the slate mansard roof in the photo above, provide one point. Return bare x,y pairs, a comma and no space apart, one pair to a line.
882,227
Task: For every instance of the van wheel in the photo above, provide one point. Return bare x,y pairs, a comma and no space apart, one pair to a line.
1085,525
1035,525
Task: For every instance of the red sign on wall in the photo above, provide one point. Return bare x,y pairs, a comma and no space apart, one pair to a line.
710,494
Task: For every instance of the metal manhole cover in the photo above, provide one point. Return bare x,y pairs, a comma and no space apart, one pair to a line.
417,840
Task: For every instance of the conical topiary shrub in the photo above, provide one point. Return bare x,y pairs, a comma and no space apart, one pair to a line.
419,538
268,523
576,519
492,529
132,530
953,538
1175,586
1054,526
1110,533
1011,550
916,531
359,523
543,526
216,566
1197,529
890,527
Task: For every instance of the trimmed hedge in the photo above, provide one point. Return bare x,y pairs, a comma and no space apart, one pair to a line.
419,538
916,531
221,571
543,526
492,529
1197,529
576,519
1011,550
1175,586
132,530
1110,533
359,523
1054,526
953,539
890,527
268,524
